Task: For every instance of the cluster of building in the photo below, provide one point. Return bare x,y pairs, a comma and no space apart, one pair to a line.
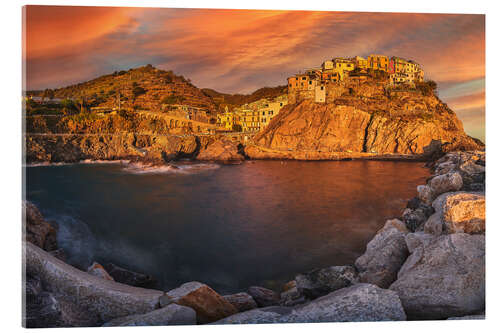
187,112
316,83
251,117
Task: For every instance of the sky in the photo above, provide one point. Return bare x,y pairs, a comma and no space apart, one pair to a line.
239,51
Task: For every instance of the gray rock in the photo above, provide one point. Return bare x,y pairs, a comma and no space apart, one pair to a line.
434,224
320,282
446,183
444,278
265,315
361,302
425,194
242,301
106,299
264,297
172,314
384,256
417,239
292,297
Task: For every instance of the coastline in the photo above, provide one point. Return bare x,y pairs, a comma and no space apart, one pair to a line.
400,252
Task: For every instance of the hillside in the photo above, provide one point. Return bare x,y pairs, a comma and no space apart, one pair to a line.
144,87
233,100
365,118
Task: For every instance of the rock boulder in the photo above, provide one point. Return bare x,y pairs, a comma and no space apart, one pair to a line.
241,301
444,278
172,314
384,256
264,297
320,282
209,305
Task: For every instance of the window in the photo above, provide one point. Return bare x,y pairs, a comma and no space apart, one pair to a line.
263,113
310,82
281,104
270,112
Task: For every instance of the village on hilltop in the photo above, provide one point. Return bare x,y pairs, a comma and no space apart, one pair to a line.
321,85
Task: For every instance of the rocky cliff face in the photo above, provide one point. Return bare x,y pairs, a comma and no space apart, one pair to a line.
115,137
366,119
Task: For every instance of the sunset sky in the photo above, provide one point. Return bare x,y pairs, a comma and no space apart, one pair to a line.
238,51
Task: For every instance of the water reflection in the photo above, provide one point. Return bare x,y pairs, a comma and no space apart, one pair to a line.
230,227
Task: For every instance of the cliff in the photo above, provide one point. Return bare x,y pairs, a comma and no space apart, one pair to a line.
364,119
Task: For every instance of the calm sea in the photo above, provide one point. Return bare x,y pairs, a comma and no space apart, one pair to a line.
258,223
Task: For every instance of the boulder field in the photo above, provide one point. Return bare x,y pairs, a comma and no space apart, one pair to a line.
429,264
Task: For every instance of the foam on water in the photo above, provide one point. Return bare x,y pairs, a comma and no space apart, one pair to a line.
140,168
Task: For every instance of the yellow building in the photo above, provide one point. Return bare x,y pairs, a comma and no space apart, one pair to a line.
226,120
378,62
343,66
248,119
360,62
270,109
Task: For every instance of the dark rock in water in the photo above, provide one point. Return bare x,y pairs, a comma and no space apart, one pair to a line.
173,314
242,301
37,230
122,275
415,218
414,203
264,297
320,282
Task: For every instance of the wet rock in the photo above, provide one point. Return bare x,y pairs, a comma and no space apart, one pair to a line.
264,297
241,301
360,302
129,277
448,182
384,256
265,315
96,269
78,287
413,203
172,314
444,278
320,282
222,150
209,305
444,168
36,230
464,212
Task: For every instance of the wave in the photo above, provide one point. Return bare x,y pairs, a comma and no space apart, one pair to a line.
140,168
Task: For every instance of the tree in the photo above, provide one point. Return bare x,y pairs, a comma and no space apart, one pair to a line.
137,91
